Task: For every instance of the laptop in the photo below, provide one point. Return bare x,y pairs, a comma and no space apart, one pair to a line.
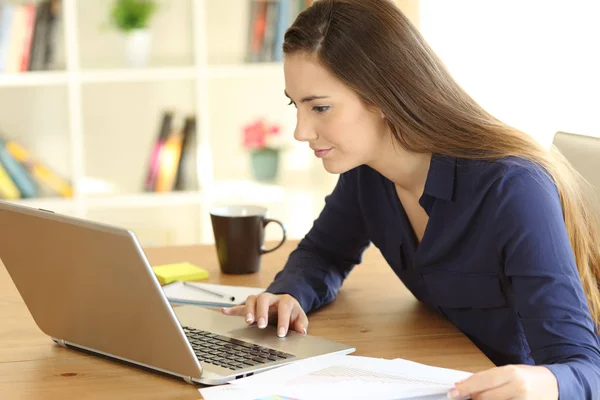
583,152
90,287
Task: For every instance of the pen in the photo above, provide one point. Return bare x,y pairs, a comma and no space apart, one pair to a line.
208,291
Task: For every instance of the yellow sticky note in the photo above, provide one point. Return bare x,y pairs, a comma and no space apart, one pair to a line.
179,272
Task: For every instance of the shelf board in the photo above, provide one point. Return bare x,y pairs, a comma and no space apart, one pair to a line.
244,191
218,193
143,200
227,71
228,191
152,74
224,191
42,78
250,191
138,75
56,204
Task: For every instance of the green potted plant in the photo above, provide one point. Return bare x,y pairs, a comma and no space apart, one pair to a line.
261,139
132,18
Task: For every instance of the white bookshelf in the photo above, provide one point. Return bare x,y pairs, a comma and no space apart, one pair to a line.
133,75
95,121
33,79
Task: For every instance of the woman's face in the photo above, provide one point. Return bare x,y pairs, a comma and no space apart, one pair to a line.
331,117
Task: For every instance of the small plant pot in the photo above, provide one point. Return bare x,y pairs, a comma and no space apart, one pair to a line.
265,164
137,47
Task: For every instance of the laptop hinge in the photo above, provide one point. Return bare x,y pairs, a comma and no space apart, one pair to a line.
188,379
60,342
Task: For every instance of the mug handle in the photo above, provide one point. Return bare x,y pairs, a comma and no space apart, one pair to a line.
265,222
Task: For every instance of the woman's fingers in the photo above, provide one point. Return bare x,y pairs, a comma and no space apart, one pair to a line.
237,310
284,315
258,308
300,322
247,310
291,316
263,303
250,309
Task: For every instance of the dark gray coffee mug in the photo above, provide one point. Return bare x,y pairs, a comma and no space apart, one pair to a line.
239,237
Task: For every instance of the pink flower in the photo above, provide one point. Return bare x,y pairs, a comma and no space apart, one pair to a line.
255,134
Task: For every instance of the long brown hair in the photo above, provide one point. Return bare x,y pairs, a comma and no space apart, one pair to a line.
374,49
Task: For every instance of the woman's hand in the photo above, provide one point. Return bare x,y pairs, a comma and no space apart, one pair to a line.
282,308
521,382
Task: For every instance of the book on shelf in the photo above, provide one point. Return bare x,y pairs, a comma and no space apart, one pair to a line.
23,176
187,178
154,162
8,189
28,35
49,181
172,163
269,19
23,181
169,156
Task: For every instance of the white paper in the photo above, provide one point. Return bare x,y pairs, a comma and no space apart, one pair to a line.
349,377
177,292
242,392
423,371
316,392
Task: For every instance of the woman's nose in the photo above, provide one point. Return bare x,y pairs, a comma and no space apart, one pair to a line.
304,132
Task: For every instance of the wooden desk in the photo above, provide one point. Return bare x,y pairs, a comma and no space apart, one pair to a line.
373,312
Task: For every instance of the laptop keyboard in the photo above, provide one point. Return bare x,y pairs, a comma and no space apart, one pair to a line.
230,353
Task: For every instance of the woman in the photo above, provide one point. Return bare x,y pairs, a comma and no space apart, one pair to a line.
474,217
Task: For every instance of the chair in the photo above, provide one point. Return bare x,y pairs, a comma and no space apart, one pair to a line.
583,152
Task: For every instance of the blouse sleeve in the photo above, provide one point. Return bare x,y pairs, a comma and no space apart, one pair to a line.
544,282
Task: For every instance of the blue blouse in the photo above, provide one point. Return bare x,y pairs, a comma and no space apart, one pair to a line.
495,259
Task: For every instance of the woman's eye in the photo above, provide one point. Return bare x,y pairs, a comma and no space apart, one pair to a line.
291,102
320,109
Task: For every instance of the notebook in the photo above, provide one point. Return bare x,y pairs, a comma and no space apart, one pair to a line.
191,293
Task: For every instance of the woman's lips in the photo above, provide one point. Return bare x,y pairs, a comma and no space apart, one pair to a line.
320,153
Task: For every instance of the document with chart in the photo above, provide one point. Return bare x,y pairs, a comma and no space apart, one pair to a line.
340,376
